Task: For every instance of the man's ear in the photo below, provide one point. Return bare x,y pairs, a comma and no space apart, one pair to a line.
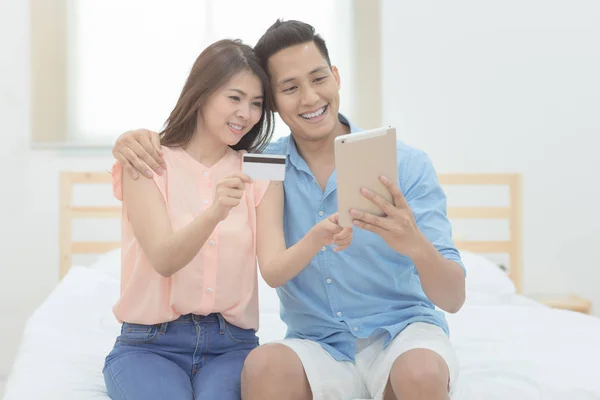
336,75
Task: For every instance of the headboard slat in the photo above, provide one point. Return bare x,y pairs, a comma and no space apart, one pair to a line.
512,213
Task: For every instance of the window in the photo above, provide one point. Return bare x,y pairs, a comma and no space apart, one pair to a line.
127,60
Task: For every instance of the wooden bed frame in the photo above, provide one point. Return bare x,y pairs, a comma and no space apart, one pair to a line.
512,213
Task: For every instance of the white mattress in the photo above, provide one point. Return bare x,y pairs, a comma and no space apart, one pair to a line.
509,347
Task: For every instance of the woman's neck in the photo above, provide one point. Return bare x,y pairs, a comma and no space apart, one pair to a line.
205,149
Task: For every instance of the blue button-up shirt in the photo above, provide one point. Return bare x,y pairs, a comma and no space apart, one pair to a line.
367,288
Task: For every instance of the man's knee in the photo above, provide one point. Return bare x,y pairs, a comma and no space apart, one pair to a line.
273,366
271,360
421,370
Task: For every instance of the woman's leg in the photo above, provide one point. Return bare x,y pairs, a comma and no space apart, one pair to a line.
151,362
219,378
145,376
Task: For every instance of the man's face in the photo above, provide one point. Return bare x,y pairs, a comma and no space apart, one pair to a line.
306,91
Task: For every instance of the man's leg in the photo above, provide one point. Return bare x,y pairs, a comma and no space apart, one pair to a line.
419,363
274,371
296,369
418,374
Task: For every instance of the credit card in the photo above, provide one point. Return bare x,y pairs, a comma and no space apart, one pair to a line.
267,167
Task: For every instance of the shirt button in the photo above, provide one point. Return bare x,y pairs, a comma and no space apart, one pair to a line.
356,329
339,314
323,248
205,173
205,201
328,280
211,242
208,290
321,213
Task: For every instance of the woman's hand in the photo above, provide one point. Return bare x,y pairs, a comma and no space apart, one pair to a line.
228,194
329,232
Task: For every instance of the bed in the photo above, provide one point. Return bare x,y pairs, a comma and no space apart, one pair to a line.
509,346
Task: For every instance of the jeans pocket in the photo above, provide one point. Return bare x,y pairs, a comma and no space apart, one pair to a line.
137,333
240,335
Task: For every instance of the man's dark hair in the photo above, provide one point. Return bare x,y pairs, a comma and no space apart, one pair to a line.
284,34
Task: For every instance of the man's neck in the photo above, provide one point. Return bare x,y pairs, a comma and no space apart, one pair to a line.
318,151
320,155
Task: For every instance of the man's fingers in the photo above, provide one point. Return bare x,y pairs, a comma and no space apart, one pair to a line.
399,200
128,167
155,140
379,201
131,171
369,227
142,154
157,163
137,163
369,218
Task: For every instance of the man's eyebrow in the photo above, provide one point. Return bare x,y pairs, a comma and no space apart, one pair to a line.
244,93
314,71
318,69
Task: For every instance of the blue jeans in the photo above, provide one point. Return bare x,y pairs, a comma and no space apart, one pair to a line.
194,357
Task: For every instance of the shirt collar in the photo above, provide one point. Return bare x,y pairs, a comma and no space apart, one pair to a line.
292,150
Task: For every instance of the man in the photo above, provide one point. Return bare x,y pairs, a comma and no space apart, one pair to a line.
362,322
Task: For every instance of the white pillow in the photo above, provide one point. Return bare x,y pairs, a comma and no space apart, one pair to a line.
484,276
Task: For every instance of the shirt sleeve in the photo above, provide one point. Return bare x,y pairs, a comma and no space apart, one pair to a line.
427,201
117,182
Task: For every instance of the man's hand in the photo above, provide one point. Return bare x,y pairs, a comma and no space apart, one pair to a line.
328,232
139,151
398,227
443,281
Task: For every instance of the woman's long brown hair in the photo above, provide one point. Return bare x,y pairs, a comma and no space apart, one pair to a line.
213,68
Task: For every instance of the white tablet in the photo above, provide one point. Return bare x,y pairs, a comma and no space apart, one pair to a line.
360,159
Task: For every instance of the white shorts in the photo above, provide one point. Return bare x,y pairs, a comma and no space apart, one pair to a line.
367,377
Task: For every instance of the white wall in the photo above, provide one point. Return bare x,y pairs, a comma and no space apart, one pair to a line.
509,86
29,189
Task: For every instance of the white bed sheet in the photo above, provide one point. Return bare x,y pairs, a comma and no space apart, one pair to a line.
509,347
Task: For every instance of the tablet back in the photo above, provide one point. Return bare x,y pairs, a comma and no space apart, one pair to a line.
360,159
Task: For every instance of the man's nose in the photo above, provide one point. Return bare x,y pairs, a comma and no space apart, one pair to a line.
309,96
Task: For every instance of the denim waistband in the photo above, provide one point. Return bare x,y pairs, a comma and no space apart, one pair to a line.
195,318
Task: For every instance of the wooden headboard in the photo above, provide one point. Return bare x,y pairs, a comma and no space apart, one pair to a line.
70,212
511,213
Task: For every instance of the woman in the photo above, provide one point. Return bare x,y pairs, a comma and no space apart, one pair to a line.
191,237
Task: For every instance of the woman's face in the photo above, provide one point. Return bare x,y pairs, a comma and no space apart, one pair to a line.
233,109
